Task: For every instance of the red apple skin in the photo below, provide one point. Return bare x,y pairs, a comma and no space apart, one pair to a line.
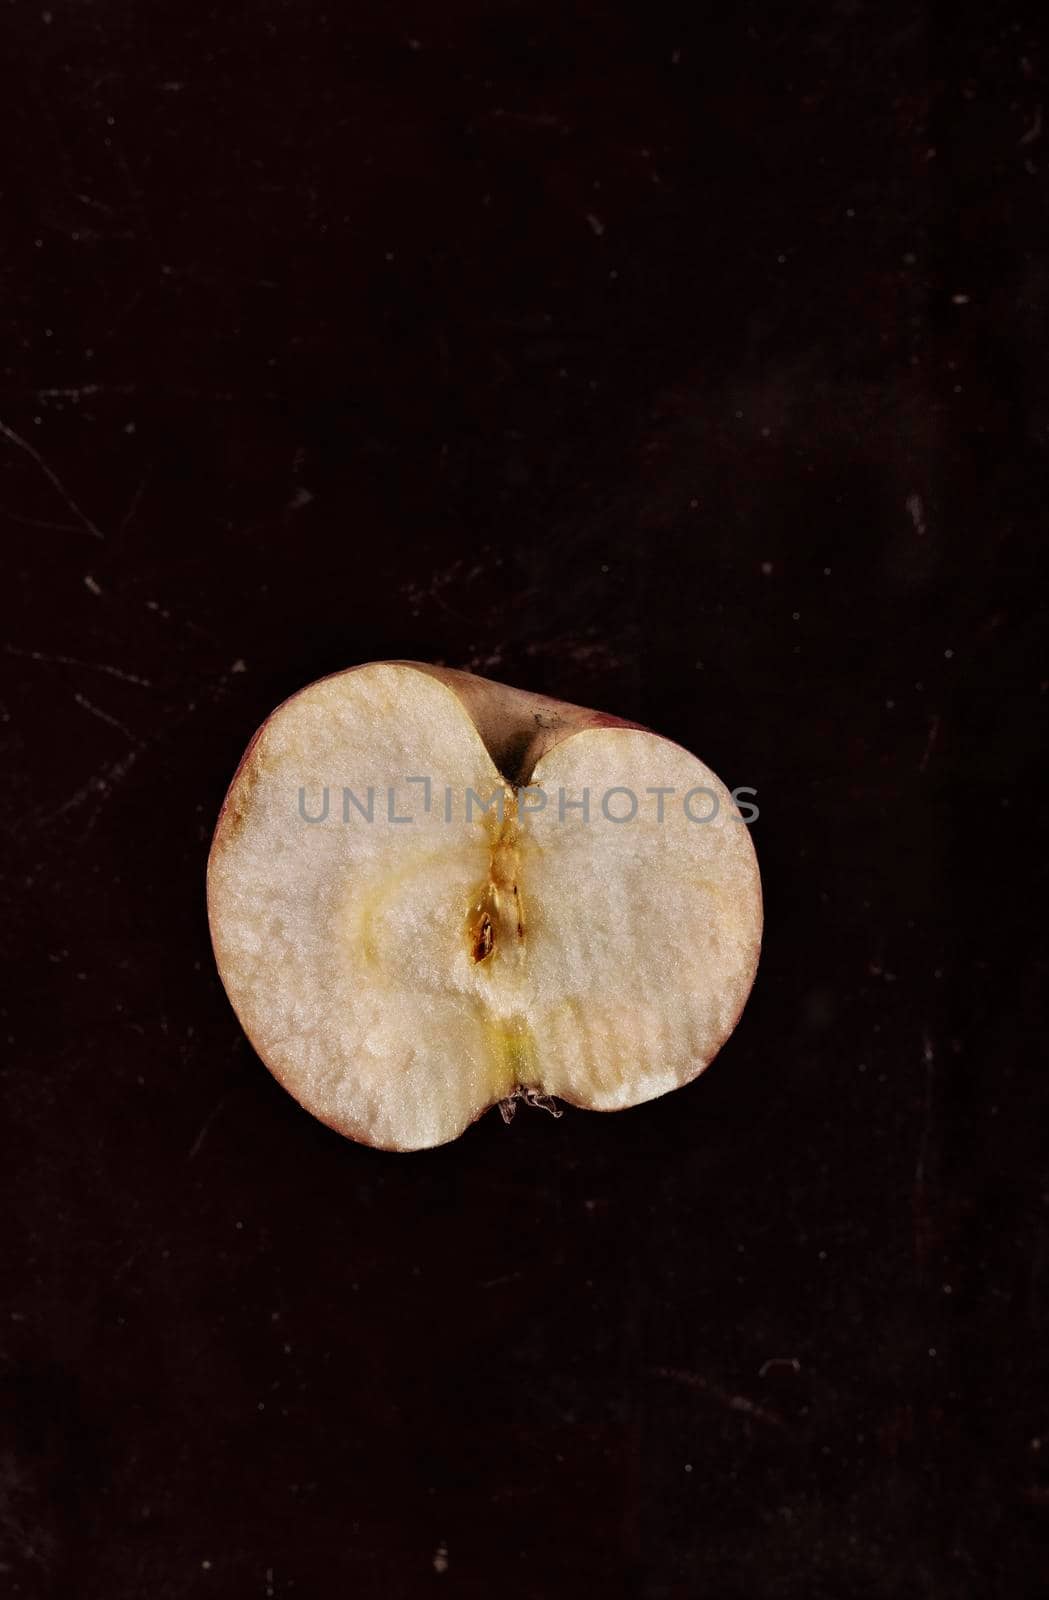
474,692
542,722
552,721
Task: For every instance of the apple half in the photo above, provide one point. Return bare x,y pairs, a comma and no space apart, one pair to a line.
429,894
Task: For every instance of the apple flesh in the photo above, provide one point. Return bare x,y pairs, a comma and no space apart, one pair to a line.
588,936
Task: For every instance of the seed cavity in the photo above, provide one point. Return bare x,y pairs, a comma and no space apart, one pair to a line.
495,923
484,939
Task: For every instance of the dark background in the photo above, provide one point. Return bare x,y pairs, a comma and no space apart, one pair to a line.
688,362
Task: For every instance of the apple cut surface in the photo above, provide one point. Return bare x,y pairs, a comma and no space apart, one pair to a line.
402,958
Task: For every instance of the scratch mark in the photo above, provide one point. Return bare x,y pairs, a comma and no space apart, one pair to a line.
207,1124
74,661
930,743
39,522
495,1283
920,1192
76,392
539,119
136,500
1034,131
98,787
95,205
104,716
916,512
778,1361
732,1402
52,477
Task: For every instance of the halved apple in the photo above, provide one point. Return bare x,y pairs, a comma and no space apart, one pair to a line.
430,894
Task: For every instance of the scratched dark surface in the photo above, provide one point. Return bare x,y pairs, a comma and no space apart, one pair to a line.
689,362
